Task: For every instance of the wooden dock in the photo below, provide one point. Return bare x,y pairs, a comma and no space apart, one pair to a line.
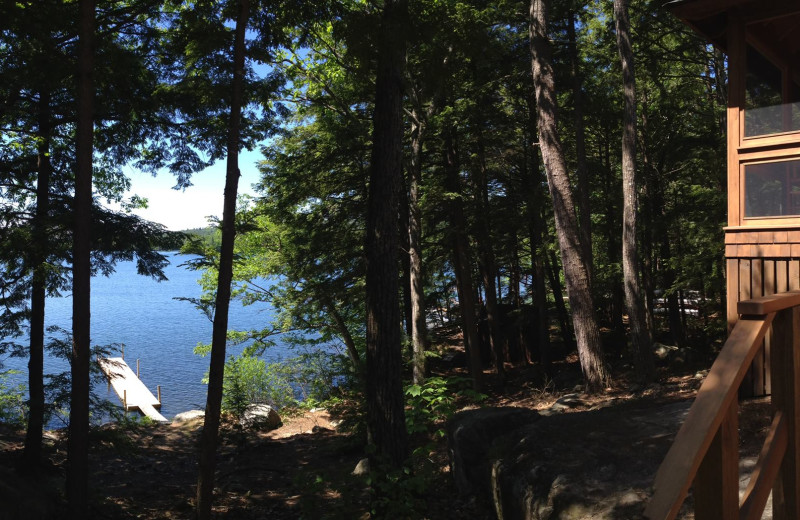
130,389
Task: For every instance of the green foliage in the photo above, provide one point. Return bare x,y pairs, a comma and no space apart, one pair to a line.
400,492
317,376
57,386
200,239
250,380
397,493
431,404
12,400
309,379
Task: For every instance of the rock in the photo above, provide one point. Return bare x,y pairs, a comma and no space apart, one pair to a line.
455,359
260,416
470,436
188,416
362,468
662,351
32,498
635,388
567,402
596,464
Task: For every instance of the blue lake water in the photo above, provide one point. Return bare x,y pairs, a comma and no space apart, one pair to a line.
160,331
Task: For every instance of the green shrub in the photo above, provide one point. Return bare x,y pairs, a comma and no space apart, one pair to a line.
431,404
317,376
12,400
250,380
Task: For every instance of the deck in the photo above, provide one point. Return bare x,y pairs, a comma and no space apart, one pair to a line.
130,389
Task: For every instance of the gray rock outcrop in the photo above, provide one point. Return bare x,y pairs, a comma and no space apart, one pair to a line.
260,416
596,464
188,416
470,436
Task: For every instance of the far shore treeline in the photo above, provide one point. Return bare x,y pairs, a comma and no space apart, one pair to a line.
210,236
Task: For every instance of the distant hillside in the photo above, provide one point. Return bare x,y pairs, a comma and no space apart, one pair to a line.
210,236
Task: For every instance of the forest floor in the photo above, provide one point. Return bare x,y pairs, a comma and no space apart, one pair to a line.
304,468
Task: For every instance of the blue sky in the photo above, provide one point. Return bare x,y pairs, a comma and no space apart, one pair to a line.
189,208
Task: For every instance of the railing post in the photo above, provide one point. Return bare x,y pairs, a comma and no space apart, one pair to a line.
716,485
786,398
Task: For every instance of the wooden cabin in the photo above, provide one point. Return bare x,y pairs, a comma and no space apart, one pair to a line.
761,39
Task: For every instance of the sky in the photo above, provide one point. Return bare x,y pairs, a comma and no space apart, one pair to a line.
190,208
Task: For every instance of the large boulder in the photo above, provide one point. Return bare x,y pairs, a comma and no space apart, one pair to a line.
470,436
596,464
188,416
29,497
260,416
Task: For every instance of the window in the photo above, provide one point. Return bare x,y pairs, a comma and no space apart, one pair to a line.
768,109
772,189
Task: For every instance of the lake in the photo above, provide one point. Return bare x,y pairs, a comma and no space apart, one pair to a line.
160,331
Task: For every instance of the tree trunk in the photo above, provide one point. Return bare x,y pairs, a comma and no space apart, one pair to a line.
651,229
419,329
33,434
405,262
641,341
614,248
536,224
584,189
551,266
210,434
384,385
487,263
347,338
516,337
78,444
575,270
461,261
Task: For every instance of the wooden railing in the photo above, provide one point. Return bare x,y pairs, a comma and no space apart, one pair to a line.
705,453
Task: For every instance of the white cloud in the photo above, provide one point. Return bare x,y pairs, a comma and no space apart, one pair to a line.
190,208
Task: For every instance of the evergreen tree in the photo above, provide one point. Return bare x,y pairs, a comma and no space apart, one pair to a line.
575,271
208,442
384,388
78,447
641,340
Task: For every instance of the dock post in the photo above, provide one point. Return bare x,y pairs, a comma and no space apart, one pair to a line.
158,388
137,369
123,352
125,400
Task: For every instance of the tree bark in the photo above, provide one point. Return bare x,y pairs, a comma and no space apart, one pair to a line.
347,338
33,434
535,225
461,260
405,261
641,341
78,444
384,385
552,268
614,248
487,260
584,189
575,270
419,329
210,434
